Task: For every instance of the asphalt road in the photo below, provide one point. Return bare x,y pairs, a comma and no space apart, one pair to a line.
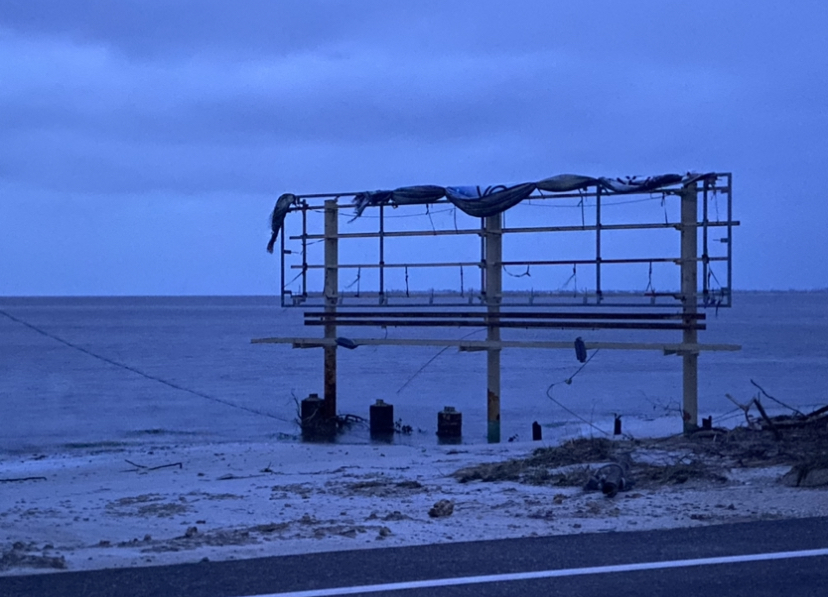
675,562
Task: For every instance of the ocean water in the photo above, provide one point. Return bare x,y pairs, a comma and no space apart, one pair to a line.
54,396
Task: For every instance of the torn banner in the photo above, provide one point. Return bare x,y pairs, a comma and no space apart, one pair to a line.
485,202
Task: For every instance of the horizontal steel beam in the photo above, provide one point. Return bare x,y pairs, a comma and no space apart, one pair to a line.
579,325
675,260
505,315
671,348
520,230
541,195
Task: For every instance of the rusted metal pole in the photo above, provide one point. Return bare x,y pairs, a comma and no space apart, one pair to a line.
689,288
494,291
331,297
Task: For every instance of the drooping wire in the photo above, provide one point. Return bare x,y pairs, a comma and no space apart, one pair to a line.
573,278
407,295
304,265
716,203
131,369
721,292
428,213
764,393
568,381
432,359
523,275
297,276
356,281
650,289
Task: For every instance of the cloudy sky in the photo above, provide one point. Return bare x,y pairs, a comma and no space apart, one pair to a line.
144,142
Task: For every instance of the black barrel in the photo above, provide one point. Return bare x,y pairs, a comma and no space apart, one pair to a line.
313,424
382,420
449,424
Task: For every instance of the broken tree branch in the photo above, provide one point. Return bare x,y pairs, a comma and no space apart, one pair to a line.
745,408
767,419
766,395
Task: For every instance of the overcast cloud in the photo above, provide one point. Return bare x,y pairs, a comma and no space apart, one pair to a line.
143,143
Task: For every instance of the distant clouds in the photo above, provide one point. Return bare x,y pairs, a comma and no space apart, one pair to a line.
200,98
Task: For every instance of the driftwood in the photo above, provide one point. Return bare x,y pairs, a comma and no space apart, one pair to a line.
767,419
766,395
803,421
232,477
144,468
775,424
745,408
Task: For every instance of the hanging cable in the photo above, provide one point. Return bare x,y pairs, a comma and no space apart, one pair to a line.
428,213
523,275
568,381
131,369
716,203
356,281
407,295
574,277
432,359
720,291
299,275
650,289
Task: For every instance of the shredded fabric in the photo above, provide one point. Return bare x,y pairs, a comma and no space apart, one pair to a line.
482,203
417,195
489,202
277,217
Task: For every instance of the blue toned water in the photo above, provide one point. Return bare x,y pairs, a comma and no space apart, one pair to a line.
53,395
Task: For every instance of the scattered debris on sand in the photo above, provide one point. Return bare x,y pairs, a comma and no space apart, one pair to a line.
442,509
228,504
800,441
25,556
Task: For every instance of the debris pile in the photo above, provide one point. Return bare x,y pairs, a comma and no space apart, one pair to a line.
799,440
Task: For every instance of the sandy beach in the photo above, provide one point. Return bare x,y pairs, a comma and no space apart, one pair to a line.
103,507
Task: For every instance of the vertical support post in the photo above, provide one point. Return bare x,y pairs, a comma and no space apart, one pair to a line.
382,255
494,293
729,239
689,288
599,294
282,258
304,249
483,269
331,297
705,254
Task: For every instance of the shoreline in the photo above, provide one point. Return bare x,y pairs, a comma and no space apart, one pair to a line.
155,505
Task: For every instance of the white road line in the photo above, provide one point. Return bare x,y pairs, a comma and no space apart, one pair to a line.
472,580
